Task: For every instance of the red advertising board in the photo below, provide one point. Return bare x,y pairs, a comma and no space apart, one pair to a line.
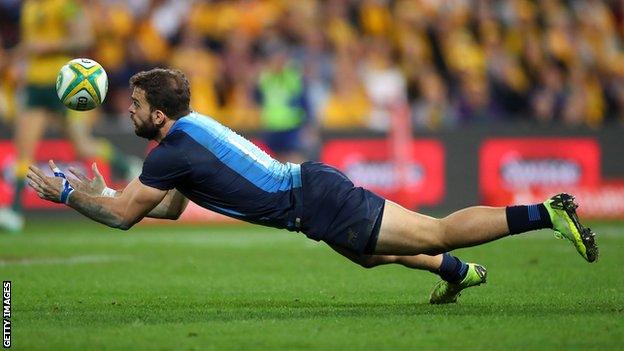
63,154
509,166
369,163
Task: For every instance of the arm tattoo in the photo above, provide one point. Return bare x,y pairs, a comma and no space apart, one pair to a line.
97,208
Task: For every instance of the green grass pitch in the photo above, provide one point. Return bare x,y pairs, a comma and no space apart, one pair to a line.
77,285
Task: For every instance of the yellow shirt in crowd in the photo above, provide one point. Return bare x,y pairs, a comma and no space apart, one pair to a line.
46,21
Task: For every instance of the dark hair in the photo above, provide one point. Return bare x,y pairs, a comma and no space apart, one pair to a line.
166,90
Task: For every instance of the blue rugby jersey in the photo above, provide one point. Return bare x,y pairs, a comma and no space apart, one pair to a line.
222,171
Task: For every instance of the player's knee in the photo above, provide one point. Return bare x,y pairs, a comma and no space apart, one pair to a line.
432,240
367,262
440,242
372,261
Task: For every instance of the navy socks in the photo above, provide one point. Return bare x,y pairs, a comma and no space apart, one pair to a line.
522,219
452,269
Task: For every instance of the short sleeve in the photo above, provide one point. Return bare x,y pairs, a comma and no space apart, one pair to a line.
164,168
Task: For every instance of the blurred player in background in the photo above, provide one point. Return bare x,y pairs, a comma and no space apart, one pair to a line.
282,99
199,159
52,33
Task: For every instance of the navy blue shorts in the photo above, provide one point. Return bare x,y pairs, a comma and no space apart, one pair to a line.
337,212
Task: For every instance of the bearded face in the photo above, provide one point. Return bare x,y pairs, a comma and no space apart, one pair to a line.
146,129
141,115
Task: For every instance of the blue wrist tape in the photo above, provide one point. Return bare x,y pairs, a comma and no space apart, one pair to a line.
67,188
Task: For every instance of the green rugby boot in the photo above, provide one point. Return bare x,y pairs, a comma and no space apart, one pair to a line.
562,211
445,292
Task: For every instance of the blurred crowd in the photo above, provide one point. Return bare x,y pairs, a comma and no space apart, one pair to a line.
453,62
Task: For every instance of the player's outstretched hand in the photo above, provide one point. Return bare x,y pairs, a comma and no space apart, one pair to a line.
82,183
48,188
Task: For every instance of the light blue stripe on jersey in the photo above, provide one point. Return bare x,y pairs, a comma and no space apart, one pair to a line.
239,154
224,210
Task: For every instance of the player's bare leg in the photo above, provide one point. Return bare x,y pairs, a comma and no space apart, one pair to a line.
78,127
404,232
29,128
455,275
424,262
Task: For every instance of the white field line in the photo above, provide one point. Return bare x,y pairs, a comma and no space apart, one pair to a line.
199,238
63,260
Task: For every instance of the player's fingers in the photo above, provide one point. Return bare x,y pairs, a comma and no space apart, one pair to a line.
36,183
32,184
78,174
96,171
75,183
33,176
52,165
36,171
36,180
36,187
40,178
